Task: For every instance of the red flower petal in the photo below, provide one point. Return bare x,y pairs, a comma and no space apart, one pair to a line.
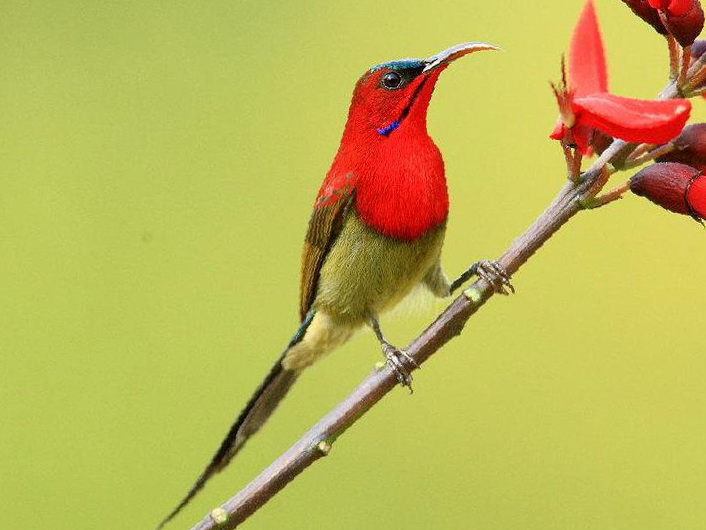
696,197
579,135
587,66
634,120
559,129
582,136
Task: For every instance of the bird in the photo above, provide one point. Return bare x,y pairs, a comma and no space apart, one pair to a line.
375,233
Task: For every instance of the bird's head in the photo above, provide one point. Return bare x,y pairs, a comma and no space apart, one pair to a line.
393,97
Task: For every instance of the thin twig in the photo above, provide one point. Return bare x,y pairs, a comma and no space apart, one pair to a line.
657,152
576,165
569,159
610,196
695,86
639,151
673,55
573,158
684,69
695,76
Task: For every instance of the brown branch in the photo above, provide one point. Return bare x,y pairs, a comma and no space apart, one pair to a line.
317,441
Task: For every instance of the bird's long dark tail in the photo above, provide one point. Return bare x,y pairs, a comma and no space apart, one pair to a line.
258,409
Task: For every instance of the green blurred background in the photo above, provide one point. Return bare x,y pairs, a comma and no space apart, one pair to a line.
158,162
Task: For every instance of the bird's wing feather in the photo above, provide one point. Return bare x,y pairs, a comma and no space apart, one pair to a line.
332,204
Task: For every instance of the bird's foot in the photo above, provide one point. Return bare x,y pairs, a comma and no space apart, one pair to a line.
495,274
394,359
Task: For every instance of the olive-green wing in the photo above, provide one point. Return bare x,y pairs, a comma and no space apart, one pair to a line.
324,226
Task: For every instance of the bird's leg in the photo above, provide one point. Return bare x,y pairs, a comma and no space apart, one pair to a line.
394,356
491,271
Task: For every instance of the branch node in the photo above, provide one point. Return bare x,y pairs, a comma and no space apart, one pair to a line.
219,515
324,447
586,203
473,294
379,365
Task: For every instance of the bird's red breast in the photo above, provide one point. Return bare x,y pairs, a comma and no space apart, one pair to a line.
398,178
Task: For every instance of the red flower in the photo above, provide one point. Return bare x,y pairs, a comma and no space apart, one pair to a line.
585,104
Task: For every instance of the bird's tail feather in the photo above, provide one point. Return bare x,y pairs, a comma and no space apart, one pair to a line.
259,408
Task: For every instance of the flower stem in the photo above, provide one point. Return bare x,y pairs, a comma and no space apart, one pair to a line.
694,85
673,57
569,159
573,160
639,151
685,60
576,165
608,197
699,92
639,160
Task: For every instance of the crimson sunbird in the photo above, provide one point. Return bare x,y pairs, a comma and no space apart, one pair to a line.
375,233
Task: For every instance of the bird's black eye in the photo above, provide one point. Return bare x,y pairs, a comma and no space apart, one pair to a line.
391,80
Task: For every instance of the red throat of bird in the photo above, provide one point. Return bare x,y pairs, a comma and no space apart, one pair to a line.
386,153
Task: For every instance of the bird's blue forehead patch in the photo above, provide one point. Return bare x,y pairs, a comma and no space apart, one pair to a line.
402,64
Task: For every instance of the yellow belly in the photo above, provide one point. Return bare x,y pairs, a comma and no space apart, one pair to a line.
365,274
368,273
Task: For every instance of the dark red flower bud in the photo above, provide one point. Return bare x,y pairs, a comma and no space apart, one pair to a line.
647,13
689,147
687,26
669,185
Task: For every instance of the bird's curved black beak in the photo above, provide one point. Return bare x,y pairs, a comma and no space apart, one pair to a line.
453,53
